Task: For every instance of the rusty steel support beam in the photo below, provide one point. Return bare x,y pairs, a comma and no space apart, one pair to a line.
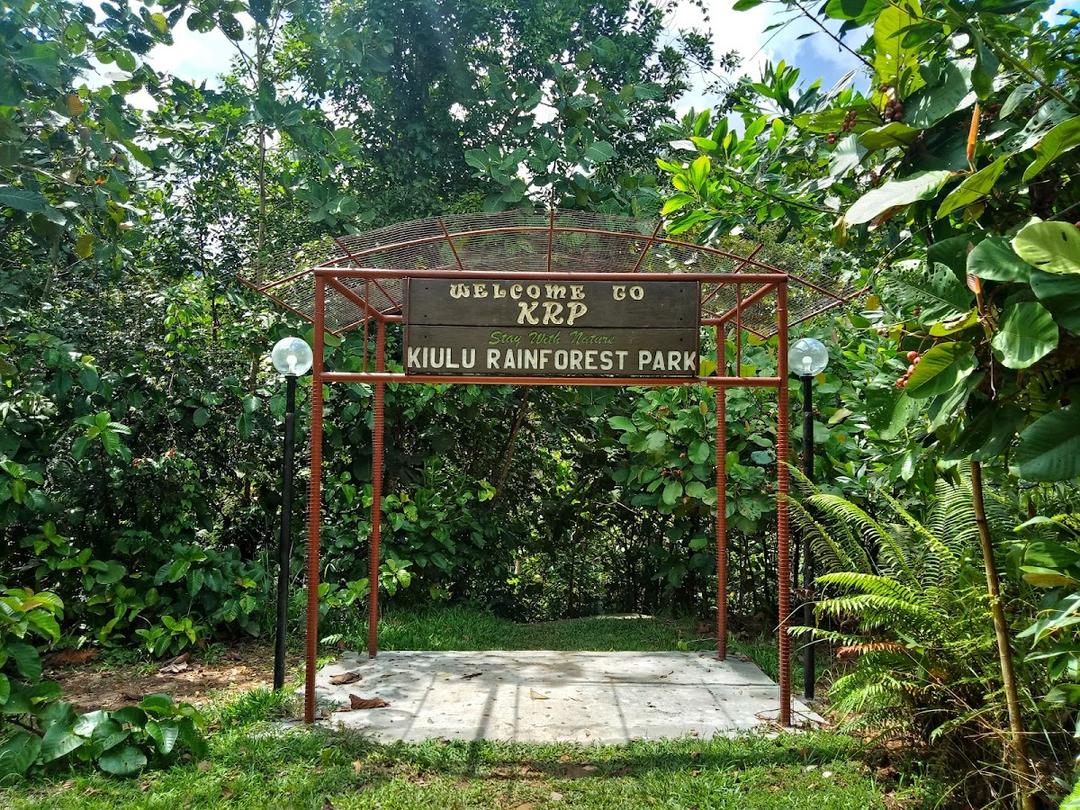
783,535
743,303
314,503
648,382
551,235
648,245
626,235
738,269
721,497
450,241
540,275
352,257
354,299
376,495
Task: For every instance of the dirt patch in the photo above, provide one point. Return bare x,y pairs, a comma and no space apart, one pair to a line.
240,669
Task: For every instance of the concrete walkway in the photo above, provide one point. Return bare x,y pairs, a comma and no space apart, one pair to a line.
542,696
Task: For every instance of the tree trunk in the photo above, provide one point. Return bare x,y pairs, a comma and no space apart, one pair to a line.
1021,765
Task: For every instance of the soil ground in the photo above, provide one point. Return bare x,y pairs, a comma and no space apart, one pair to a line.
100,685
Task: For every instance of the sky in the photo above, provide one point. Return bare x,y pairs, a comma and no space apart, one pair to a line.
198,57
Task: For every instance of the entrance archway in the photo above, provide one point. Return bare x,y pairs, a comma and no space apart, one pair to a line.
363,282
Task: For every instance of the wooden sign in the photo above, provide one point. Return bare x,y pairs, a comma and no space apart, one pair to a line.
495,327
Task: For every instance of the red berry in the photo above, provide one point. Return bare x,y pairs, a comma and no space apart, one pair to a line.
911,356
911,369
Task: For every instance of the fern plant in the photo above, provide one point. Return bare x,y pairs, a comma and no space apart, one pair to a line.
908,611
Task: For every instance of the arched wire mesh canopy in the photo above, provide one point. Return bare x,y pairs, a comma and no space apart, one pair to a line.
538,241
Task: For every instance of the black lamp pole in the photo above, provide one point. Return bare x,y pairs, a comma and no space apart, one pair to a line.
808,551
285,541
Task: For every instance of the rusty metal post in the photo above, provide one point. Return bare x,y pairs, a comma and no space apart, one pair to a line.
314,501
721,498
376,495
783,536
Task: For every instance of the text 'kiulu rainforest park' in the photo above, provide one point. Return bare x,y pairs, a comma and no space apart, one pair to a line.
592,328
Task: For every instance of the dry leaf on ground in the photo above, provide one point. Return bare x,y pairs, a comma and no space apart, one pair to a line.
70,658
175,665
356,702
344,677
538,695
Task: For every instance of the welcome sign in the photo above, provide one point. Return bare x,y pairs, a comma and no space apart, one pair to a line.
496,327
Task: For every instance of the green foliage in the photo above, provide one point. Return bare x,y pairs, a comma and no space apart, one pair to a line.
905,601
960,213
38,729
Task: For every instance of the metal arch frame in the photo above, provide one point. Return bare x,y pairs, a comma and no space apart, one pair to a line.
353,260
330,276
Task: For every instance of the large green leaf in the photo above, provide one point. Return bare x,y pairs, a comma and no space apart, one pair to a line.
599,152
894,133
1049,448
22,199
940,369
847,155
31,202
988,433
830,121
1027,334
1061,295
88,722
944,94
18,752
164,733
935,290
673,490
895,194
1056,142
59,741
943,409
974,187
895,64
1053,247
122,761
889,412
994,260
951,251
858,11
26,659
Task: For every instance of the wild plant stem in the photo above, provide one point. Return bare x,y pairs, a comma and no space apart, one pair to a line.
1021,765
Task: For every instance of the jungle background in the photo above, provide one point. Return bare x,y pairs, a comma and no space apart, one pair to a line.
140,421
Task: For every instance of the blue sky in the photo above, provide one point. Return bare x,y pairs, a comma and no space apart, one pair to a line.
198,57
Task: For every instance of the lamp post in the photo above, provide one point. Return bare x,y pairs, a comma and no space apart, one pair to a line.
291,357
807,358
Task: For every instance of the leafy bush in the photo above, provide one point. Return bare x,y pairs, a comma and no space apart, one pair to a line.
38,729
907,601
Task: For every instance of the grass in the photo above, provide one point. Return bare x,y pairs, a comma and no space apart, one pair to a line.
253,763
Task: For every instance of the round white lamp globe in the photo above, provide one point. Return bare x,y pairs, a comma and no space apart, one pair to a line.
291,356
807,357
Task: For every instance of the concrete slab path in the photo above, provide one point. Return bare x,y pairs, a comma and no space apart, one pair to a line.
545,696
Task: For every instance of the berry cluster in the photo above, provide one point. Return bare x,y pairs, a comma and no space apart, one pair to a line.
849,122
894,110
913,360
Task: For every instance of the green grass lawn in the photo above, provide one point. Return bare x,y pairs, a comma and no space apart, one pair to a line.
253,763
